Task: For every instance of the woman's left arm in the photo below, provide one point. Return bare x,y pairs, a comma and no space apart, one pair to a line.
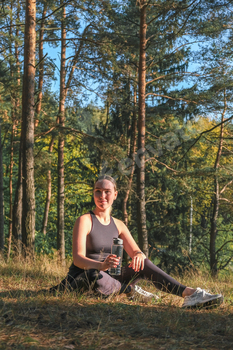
131,247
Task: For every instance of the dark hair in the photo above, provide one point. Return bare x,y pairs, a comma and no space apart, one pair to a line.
109,178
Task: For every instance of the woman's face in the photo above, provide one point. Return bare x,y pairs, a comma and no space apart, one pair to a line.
104,194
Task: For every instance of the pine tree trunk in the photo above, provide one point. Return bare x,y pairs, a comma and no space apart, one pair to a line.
11,187
131,156
17,57
28,223
213,229
18,209
18,201
2,240
18,204
41,67
141,205
49,190
13,110
61,143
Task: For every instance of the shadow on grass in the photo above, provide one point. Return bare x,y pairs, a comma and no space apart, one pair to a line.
75,321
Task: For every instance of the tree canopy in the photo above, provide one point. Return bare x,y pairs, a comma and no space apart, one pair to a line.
141,90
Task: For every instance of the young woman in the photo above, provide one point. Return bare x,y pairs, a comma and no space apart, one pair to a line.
93,235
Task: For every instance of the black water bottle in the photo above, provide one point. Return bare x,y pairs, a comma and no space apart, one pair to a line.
117,249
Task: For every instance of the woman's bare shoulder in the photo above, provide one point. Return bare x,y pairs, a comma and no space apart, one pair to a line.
119,224
84,221
86,216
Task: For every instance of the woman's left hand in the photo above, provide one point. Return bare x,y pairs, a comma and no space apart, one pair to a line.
137,262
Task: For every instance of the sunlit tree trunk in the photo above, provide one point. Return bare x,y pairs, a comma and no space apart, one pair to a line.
18,206
49,191
141,205
61,141
28,222
13,118
133,142
18,201
12,137
1,200
17,57
41,66
61,144
213,229
11,188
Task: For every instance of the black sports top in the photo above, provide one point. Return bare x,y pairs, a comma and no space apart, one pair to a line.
99,241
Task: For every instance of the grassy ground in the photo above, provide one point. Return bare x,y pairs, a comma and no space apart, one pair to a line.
31,320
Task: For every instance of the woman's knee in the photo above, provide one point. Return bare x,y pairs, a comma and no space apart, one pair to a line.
106,284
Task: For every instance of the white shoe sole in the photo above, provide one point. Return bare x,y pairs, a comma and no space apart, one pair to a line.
211,302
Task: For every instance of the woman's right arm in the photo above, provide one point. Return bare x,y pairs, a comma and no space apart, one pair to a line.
81,229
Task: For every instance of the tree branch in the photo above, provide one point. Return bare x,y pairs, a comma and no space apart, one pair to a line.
221,267
205,132
223,189
75,59
226,200
78,38
225,243
170,98
57,9
166,166
80,132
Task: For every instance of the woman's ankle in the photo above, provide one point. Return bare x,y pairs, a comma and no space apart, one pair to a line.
188,291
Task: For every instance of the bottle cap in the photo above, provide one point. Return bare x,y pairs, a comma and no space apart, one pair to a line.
117,241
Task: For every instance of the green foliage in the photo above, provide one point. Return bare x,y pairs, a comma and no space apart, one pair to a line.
188,87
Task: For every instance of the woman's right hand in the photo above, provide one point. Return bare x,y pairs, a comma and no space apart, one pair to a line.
111,261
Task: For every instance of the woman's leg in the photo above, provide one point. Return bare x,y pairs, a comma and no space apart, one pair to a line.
160,279
98,281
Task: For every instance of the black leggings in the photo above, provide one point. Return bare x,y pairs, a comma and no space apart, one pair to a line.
105,284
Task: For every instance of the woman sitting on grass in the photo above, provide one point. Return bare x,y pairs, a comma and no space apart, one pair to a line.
93,235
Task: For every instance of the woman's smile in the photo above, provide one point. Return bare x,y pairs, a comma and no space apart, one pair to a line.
104,193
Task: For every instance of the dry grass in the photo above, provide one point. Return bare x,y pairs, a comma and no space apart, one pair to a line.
33,320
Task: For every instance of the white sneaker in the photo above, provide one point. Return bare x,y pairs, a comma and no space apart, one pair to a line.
200,298
139,294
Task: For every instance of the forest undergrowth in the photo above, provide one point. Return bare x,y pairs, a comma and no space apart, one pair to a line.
30,319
